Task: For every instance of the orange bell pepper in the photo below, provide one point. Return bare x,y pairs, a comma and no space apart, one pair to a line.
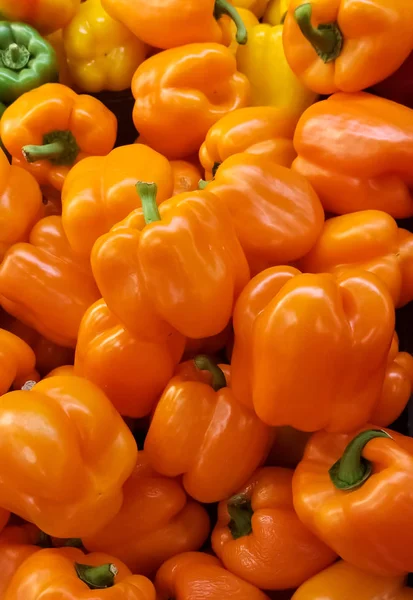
329,337
50,128
163,269
342,580
265,130
200,431
132,372
186,176
46,16
67,454
69,572
277,215
180,93
60,283
157,521
101,191
336,45
17,361
259,537
16,545
56,40
357,151
187,575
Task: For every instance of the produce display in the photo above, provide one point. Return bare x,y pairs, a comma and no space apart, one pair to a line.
206,299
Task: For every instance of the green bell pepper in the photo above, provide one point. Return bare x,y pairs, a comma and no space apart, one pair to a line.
27,61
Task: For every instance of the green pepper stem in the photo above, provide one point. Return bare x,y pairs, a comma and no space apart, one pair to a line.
15,57
147,193
97,578
59,148
326,39
202,184
240,510
352,470
46,152
204,363
223,7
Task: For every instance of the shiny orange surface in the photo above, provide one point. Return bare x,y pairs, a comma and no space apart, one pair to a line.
186,176
17,361
16,545
44,15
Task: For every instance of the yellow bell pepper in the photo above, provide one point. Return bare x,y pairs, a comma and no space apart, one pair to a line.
276,11
272,81
249,20
255,6
102,54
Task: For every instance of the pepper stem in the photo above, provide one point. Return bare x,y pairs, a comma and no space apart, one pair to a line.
15,57
97,578
202,184
223,7
204,363
326,39
352,470
147,193
59,147
240,510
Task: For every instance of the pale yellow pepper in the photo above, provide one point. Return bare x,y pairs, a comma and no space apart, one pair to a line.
255,6
249,20
276,11
102,54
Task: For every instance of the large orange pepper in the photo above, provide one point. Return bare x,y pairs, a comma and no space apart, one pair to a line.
188,575
346,45
186,176
70,573
132,372
51,127
354,492
17,543
200,431
259,537
356,151
180,93
342,581
179,266
46,16
277,215
329,337
101,191
263,130
157,521
17,361
67,454
45,285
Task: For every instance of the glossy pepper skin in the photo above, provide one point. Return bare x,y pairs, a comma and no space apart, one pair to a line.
17,543
164,270
43,280
356,152
157,521
206,423
276,12
20,204
186,176
277,215
64,571
68,454
46,16
184,575
363,479
102,54
273,83
257,7
132,372
369,239
26,60
259,537
308,324
180,93
264,131
342,580
51,127
101,191
17,361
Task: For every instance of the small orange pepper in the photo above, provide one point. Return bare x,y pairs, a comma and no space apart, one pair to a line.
17,543
17,362
186,176
44,15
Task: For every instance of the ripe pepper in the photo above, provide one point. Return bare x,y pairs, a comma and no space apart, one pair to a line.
56,41
356,151
70,573
68,454
273,83
277,215
249,20
371,240
17,362
26,60
101,191
43,280
20,204
265,131
259,537
329,337
50,128
337,45
163,269
186,176
342,580
276,12
157,521
132,372
353,491
176,103
102,53
46,16
257,7
197,421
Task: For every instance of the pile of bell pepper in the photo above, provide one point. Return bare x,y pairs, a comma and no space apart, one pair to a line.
205,244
